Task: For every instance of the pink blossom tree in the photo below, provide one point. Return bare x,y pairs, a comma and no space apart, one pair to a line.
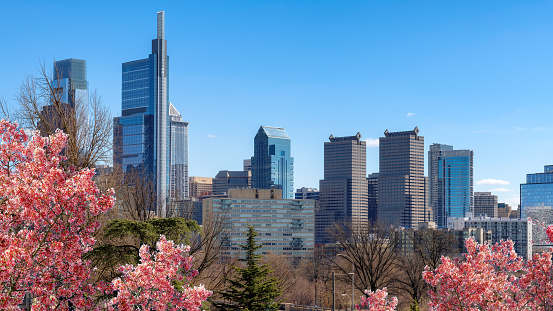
377,301
46,225
492,278
45,222
154,283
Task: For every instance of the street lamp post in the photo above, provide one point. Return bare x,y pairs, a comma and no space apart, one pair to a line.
352,278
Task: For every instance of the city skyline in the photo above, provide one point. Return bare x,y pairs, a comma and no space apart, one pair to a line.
474,75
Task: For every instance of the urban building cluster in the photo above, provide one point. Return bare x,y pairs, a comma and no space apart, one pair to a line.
150,138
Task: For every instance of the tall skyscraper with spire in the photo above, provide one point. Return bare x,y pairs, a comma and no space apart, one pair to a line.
143,135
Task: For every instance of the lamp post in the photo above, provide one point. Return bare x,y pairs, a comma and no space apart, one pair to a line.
352,278
351,302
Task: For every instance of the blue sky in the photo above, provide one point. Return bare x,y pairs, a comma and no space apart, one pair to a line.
473,74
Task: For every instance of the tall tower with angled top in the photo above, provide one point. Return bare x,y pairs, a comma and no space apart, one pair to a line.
272,162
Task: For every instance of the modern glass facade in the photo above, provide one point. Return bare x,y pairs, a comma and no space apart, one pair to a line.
179,185
71,87
401,182
144,133
343,191
272,162
536,200
70,81
450,175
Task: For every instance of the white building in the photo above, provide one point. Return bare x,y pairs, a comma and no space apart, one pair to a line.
518,230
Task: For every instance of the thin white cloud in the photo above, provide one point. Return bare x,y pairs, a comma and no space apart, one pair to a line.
372,142
410,114
492,182
211,136
500,190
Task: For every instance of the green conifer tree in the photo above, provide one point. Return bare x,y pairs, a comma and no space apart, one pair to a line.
414,306
251,289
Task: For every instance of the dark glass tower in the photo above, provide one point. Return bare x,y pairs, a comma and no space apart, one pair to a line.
144,132
450,182
343,191
401,181
272,161
71,88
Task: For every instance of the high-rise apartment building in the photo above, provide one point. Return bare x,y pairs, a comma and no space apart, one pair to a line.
450,178
150,138
536,200
284,227
272,162
401,181
502,229
485,204
343,191
71,88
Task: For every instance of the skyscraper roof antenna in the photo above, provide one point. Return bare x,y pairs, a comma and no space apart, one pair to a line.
161,25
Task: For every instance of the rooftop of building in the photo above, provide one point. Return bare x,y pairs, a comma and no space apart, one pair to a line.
414,132
272,131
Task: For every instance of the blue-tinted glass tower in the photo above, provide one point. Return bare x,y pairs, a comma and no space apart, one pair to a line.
537,191
450,175
142,135
71,88
536,201
70,81
272,162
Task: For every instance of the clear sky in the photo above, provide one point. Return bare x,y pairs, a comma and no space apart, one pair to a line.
473,74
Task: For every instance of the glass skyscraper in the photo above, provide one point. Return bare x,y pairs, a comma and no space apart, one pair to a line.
536,200
70,81
450,175
343,191
272,161
401,181
145,133
71,88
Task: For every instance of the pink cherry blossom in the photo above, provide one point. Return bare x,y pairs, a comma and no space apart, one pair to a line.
151,284
377,301
46,222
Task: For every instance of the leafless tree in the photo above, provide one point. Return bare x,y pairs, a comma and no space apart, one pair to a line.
431,244
87,121
373,252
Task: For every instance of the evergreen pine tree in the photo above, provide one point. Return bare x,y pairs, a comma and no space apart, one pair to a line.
414,306
251,289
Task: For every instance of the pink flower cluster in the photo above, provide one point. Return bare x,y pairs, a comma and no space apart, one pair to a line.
151,284
490,278
377,301
46,225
